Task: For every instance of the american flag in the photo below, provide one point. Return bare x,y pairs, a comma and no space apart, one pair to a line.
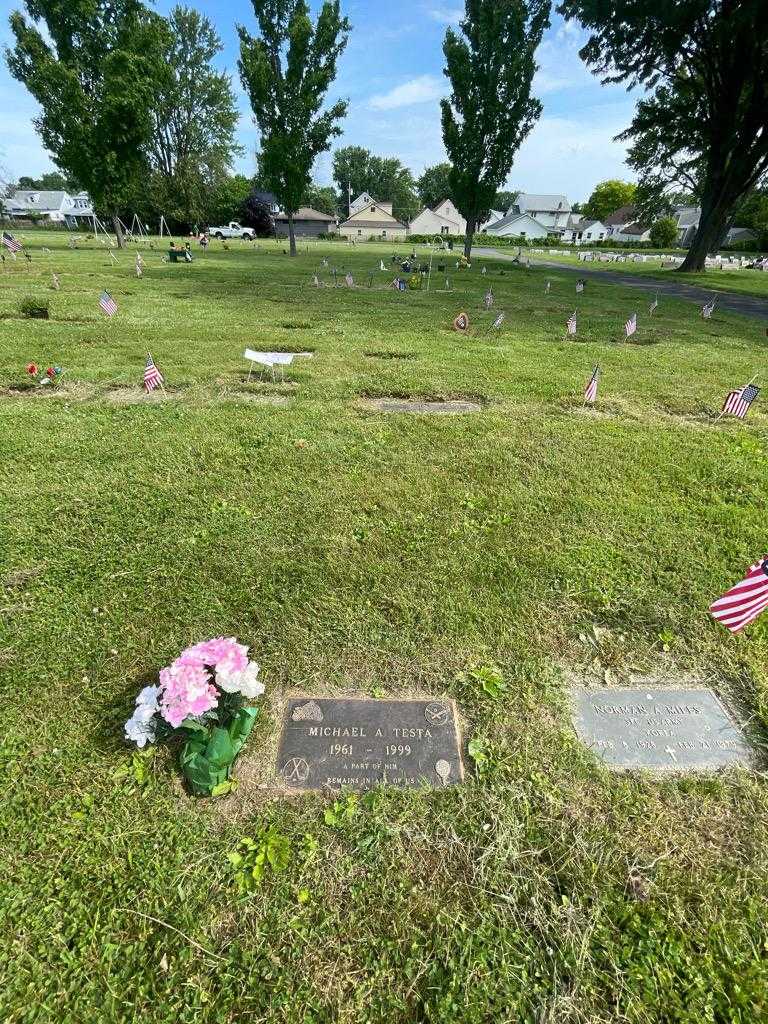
579,286
350,281
590,392
548,287
108,304
738,402
708,309
498,321
654,305
570,324
631,325
488,298
743,602
152,376
10,242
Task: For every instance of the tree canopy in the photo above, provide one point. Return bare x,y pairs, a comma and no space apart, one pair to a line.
490,65
434,185
608,196
385,178
664,232
703,123
92,66
287,71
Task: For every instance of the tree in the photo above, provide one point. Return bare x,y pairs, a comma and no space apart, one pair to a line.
53,181
490,111
287,72
703,123
503,200
608,196
664,233
434,185
91,65
322,198
228,199
357,170
194,116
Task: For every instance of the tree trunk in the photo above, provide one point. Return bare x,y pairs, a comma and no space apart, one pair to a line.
471,224
291,235
709,235
118,231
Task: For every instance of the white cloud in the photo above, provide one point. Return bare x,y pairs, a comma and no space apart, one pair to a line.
423,89
446,15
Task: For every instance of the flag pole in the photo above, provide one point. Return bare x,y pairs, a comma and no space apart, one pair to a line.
722,413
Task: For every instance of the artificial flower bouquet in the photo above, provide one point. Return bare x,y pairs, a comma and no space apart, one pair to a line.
51,375
201,699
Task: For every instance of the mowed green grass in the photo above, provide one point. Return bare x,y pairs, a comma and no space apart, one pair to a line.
744,280
364,553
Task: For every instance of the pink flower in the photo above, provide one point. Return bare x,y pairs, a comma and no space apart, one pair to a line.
185,690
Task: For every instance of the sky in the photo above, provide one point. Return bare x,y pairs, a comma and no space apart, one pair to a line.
391,73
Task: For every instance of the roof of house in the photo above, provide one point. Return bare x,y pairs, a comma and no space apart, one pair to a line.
687,216
744,233
381,224
512,217
305,213
624,215
34,199
635,228
526,202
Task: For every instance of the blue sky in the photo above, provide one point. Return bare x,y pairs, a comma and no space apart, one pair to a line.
391,72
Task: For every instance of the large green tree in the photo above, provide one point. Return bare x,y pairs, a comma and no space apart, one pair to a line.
703,123
51,180
194,115
287,71
92,67
357,170
490,65
608,196
434,185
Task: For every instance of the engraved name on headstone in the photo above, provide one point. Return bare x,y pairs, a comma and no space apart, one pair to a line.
664,729
358,743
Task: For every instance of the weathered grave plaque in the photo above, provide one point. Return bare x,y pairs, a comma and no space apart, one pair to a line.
358,743
677,729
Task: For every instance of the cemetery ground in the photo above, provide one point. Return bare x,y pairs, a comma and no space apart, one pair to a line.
495,557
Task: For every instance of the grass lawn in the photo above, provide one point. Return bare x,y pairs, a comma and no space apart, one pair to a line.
363,553
748,282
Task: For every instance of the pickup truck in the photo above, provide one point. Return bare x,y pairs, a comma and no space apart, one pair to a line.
232,230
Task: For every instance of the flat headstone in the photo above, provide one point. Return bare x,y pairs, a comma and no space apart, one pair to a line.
664,729
359,743
423,406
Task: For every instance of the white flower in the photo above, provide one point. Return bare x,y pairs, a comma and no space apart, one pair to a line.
246,682
148,697
140,731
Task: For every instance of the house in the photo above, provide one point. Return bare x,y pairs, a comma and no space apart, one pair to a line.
268,199
736,235
584,231
444,219
306,222
518,225
552,212
687,219
616,220
373,221
633,232
494,216
59,207
363,200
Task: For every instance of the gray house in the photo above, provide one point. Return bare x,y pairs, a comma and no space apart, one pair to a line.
306,221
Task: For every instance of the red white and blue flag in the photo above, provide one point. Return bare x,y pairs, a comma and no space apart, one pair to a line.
631,325
570,324
152,376
743,602
708,309
654,305
108,304
11,243
738,402
590,392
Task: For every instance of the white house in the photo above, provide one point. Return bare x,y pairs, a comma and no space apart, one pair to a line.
553,212
518,225
56,206
363,200
373,221
584,232
444,219
687,219
493,218
633,232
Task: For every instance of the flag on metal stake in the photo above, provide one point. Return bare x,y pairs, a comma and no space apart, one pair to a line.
108,304
10,242
738,402
708,308
570,324
152,376
654,305
631,325
743,602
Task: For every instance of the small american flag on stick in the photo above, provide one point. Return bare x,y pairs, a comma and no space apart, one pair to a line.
743,602
631,325
498,321
654,305
152,376
738,402
579,286
570,324
107,303
708,309
548,288
488,298
590,392
10,242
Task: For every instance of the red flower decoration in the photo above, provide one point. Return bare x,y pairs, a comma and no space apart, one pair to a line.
50,372
32,369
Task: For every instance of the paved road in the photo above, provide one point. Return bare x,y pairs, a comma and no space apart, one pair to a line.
747,305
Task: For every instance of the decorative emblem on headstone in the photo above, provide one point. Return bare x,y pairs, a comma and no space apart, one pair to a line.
309,712
443,770
461,322
437,713
296,770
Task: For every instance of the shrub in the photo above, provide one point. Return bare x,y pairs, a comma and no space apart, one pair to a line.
34,309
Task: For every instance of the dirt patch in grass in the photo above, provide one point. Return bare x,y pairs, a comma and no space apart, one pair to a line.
256,399
137,396
423,406
391,355
71,391
295,325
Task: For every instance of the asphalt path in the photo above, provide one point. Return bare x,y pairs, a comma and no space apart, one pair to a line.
732,302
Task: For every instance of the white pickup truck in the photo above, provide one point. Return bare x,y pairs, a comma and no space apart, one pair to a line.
232,230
